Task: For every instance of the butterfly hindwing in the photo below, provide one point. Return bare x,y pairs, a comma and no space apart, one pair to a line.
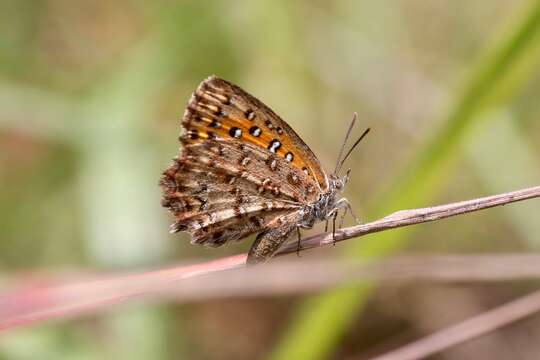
214,203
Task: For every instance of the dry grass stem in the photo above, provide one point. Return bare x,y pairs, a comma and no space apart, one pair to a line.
469,329
56,297
415,216
32,303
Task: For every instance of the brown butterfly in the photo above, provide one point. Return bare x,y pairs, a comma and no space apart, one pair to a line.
242,170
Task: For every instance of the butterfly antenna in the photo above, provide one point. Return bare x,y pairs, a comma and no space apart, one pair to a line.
355,115
352,148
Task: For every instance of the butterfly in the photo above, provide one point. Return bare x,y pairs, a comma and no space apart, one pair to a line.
242,170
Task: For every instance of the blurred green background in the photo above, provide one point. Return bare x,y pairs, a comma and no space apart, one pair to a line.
91,96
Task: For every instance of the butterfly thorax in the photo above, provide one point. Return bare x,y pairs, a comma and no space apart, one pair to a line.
327,203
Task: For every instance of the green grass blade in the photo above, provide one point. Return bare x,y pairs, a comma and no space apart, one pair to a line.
521,168
322,320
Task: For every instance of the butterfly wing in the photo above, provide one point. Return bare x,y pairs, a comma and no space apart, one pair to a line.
241,167
216,199
219,108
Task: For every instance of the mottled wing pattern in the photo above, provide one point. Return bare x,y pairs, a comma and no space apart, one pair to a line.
221,109
216,200
241,167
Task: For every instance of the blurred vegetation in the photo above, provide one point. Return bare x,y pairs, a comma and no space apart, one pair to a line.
91,93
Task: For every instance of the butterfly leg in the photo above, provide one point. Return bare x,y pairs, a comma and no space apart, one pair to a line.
353,214
344,204
334,217
268,242
342,218
299,238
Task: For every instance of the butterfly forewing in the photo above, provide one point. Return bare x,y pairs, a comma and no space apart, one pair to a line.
223,110
241,167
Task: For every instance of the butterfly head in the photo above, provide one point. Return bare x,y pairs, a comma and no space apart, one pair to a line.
337,183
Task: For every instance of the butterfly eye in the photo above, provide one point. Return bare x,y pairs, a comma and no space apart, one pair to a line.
339,183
